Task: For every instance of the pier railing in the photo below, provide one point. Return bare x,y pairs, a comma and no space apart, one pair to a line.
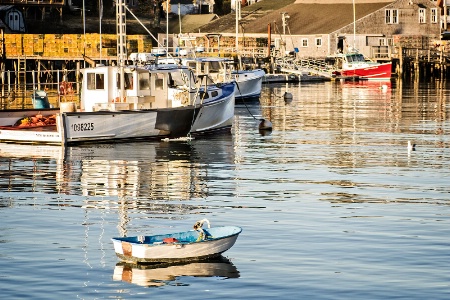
309,65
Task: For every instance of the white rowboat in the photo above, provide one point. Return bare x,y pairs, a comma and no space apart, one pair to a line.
196,244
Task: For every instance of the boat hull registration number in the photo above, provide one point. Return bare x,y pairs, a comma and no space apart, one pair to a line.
82,127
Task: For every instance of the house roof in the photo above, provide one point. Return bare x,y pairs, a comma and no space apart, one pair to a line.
261,8
305,16
6,7
190,23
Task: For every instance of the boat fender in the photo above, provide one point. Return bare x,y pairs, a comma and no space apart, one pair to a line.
170,240
265,125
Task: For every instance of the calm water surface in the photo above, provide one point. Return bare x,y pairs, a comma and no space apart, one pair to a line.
332,203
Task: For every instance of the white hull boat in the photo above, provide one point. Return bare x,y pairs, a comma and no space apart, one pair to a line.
196,244
219,69
155,103
249,83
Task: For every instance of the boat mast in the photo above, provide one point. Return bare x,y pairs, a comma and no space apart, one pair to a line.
237,8
121,42
354,26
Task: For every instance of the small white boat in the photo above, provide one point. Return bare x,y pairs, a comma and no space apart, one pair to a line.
192,245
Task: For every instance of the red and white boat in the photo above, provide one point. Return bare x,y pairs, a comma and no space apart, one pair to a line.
354,64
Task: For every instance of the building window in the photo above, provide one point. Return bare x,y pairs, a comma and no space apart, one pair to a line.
391,16
382,42
318,42
422,17
434,15
304,42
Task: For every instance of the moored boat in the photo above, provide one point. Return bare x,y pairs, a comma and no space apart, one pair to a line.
154,103
354,64
196,244
221,70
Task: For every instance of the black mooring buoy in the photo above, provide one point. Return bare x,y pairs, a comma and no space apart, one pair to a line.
287,97
265,125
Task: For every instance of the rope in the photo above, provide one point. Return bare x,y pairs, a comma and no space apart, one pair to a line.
243,100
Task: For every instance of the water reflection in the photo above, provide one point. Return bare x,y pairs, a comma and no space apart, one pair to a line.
170,274
357,106
157,170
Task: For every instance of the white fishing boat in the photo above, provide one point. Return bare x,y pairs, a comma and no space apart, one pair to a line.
196,244
221,70
154,103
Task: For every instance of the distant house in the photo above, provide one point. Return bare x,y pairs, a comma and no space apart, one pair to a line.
243,3
180,31
183,7
12,18
316,28
186,7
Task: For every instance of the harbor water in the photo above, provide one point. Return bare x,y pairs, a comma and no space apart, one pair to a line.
333,203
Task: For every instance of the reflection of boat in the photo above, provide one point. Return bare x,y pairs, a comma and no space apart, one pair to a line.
189,245
31,151
148,170
159,274
378,85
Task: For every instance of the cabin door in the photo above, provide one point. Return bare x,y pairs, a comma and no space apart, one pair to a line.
159,89
340,44
14,21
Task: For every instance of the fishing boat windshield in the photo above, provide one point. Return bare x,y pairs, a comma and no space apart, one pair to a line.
177,78
128,82
355,58
214,66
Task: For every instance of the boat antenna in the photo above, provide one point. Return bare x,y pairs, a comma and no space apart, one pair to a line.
148,31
